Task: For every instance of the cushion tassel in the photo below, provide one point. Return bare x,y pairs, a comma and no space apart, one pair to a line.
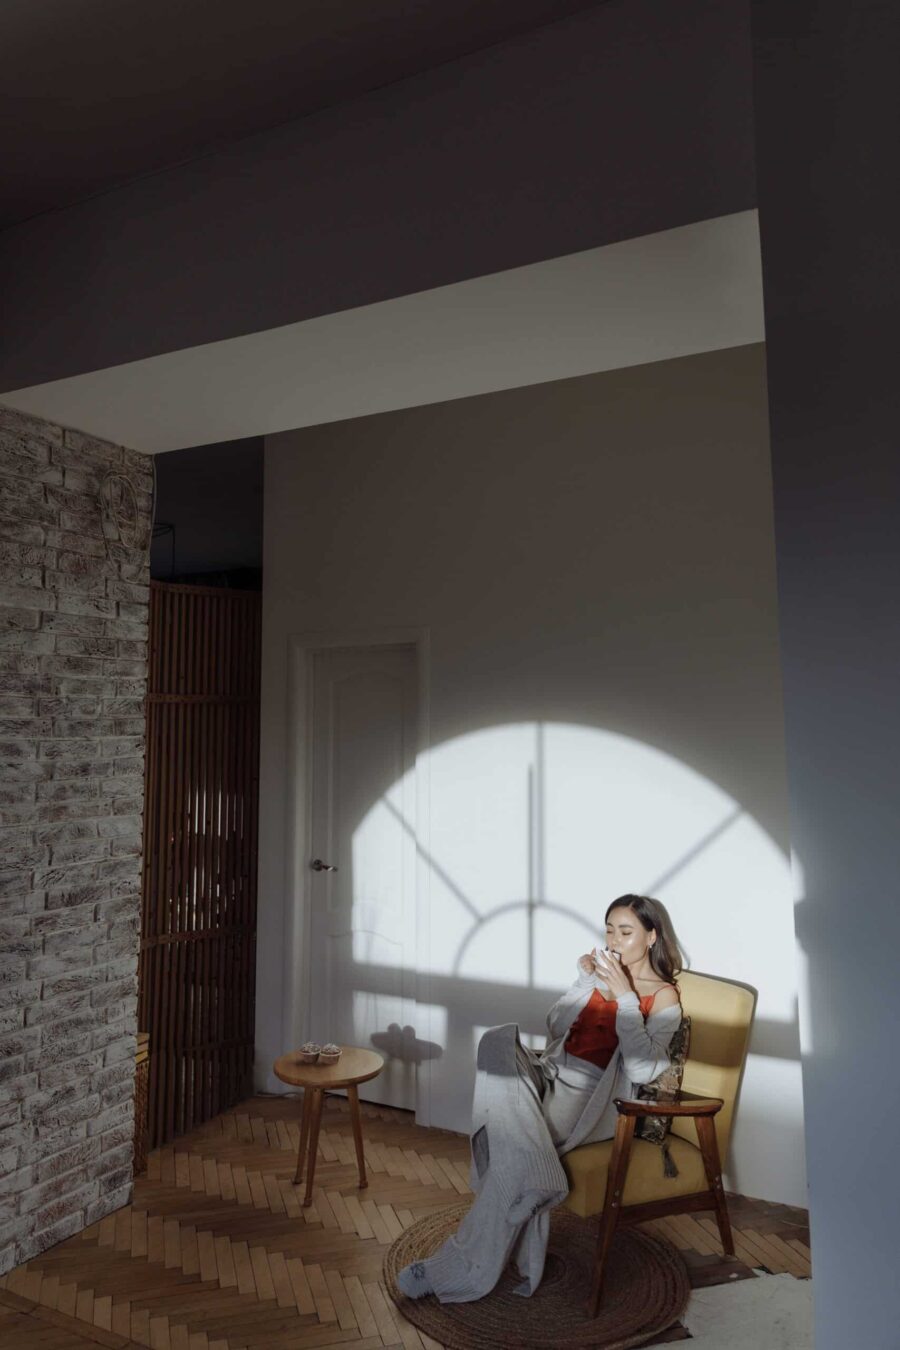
669,1166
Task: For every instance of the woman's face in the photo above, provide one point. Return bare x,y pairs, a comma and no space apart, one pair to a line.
627,936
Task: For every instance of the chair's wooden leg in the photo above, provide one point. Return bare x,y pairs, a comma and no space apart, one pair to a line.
304,1134
355,1121
315,1121
709,1148
615,1185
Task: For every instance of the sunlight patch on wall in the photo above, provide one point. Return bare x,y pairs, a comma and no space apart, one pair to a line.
535,827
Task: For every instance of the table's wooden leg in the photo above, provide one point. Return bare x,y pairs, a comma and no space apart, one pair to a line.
355,1121
304,1134
314,1123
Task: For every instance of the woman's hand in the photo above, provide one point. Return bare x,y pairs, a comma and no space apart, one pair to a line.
613,974
586,963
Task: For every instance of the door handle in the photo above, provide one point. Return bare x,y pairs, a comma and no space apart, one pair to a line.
318,865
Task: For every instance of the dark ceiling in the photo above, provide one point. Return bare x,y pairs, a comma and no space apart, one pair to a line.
95,92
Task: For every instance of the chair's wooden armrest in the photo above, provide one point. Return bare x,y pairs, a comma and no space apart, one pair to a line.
686,1105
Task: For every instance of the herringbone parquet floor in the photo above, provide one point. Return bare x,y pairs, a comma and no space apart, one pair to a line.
216,1252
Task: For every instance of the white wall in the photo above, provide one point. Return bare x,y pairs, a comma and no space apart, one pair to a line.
672,293
477,165
821,86
594,561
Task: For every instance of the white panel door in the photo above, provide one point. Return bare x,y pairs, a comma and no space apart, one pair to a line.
363,824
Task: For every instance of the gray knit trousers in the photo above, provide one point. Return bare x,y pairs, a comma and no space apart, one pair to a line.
524,1106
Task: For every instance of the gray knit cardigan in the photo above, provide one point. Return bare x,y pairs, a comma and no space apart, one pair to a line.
642,1054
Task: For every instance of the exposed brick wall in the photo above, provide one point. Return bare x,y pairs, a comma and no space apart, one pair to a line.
73,657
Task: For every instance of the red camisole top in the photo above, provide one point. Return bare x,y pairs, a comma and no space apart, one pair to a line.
592,1035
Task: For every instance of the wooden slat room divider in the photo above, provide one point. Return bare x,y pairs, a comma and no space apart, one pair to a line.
198,936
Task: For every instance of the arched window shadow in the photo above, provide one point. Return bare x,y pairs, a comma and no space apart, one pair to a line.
771,1038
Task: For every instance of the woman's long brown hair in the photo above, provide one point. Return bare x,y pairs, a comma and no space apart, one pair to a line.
666,956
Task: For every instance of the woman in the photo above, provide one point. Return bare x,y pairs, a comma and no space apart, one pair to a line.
609,1032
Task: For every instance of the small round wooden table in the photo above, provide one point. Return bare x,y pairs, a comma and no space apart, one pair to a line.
354,1066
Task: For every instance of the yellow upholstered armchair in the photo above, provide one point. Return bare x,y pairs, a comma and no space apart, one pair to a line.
622,1179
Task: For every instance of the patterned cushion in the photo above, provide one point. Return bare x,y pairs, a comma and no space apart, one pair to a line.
665,1088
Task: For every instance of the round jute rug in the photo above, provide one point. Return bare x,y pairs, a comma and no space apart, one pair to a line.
646,1290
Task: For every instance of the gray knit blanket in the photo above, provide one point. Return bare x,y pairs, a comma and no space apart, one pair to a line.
528,1109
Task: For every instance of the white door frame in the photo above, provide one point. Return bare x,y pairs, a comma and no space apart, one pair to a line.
302,647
